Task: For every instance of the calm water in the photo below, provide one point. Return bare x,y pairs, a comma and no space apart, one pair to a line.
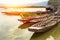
9,29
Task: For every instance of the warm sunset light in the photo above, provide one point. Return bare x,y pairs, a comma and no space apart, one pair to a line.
25,9
14,6
21,11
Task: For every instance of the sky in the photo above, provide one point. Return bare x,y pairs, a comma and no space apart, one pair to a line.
22,2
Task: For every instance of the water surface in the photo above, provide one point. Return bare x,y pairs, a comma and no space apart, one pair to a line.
9,29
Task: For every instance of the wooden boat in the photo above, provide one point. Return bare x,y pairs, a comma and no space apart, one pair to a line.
45,26
42,28
28,24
